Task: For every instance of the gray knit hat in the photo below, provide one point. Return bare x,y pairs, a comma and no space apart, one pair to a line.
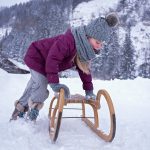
98,29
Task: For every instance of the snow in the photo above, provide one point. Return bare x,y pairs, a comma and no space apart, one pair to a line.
140,38
19,64
130,99
140,33
121,34
82,13
4,30
11,2
131,103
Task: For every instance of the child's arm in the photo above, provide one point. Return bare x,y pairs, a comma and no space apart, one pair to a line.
86,80
87,85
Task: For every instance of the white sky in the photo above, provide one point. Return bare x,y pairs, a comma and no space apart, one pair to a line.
11,2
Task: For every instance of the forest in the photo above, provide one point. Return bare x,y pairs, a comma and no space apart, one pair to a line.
38,19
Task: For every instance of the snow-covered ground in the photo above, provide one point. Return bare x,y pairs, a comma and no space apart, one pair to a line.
131,100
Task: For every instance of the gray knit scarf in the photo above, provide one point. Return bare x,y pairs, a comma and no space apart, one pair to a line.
84,48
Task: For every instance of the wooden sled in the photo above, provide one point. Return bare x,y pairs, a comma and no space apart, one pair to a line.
55,114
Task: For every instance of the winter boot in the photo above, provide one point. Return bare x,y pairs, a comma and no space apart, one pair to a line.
34,109
19,111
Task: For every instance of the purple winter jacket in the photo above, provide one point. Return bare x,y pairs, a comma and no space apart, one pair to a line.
52,55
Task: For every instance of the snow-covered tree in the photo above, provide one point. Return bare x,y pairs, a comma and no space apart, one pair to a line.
127,61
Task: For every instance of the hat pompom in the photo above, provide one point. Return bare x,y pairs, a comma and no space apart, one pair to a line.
112,19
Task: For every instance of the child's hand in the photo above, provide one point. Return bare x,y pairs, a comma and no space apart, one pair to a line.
90,95
57,86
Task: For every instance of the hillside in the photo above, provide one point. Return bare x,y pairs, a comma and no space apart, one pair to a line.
128,54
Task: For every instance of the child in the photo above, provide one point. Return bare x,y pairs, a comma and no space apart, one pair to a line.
47,57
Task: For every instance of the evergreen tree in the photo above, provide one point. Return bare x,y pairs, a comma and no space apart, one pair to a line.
113,55
127,65
105,65
144,69
99,65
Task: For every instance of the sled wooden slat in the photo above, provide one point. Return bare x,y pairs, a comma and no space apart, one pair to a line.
56,111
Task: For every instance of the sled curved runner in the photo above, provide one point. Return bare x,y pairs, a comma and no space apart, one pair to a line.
56,109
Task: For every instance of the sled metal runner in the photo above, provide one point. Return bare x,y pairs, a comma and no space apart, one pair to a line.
56,111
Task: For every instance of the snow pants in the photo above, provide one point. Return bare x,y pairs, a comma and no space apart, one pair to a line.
36,89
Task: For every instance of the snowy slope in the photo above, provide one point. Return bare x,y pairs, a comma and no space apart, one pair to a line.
4,30
131,102
86,11
140,38
8,3
140,33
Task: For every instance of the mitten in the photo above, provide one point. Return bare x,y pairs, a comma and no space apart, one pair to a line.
90,95
57,86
